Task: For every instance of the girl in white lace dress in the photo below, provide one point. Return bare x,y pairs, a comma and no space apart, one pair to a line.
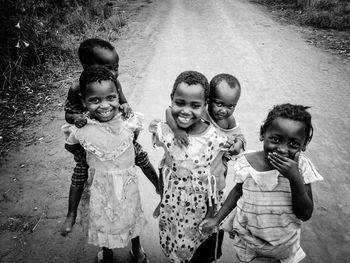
273,192
115,213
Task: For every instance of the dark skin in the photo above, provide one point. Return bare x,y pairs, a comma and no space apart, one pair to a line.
283,141
79,120
221,107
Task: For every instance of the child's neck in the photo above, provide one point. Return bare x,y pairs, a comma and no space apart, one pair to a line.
197,128
224,123
259,161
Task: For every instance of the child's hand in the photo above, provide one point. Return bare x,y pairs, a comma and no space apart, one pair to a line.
181,138
208,226
229,145
287,167
126,110
235,147
80,121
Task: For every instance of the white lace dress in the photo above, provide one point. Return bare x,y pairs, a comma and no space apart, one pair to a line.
115,213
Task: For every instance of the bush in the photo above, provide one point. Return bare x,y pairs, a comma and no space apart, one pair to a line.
324,4
319,19
36,37
26,40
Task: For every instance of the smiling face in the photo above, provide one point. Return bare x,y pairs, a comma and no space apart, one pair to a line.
223,101
101,99
108,58
188,104
285,137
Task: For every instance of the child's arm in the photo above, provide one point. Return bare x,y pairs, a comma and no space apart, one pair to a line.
181,136
239,143
124,106
301,193
230,203
74,107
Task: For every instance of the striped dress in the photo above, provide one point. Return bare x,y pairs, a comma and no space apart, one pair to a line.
265,227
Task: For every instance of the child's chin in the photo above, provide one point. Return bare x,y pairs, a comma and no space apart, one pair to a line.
105,119
183,125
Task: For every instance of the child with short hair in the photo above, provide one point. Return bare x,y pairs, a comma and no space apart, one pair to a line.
225,91
188,194
273,190
115,213
95,51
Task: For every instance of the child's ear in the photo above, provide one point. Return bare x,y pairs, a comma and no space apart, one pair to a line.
303,148
85,66
261,137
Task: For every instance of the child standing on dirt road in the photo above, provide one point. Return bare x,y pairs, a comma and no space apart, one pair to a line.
115,213
95,52
273,190
189,192
225,91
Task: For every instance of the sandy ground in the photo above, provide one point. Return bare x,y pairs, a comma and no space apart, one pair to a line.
274,65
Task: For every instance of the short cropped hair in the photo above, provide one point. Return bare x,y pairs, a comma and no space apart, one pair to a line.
230,80
86,49
192,78
95,73
292,112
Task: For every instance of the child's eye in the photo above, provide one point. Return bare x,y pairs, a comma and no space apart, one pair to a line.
294,145
94,100
218,104
274,139
111,98
232,107
196,106
179,103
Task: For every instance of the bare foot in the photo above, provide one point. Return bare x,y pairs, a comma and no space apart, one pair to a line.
68,224
156,212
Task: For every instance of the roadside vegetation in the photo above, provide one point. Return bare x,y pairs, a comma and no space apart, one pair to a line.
329,21
39,39
38,43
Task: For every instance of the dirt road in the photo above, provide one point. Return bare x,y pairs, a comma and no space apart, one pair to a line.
274,65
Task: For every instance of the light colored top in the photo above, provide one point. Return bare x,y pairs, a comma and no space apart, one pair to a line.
115,214
265,218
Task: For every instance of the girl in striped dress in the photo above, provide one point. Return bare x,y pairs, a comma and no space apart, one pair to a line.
273,190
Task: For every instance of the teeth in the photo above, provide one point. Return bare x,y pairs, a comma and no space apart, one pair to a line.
105,113
184,120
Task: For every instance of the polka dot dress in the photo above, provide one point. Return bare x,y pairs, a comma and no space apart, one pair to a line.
186,173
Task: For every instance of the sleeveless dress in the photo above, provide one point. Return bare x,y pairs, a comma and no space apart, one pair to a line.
115,213
265,227
189,188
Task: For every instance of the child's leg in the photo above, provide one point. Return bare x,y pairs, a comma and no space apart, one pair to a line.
210,249
142,161
105,256
161,188
79,178
139,256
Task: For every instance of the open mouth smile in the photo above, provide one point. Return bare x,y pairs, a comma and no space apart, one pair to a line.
105,113
184,120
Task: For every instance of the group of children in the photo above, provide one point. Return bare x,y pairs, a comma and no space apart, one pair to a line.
200,137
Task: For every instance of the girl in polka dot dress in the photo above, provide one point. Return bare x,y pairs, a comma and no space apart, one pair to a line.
189,192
